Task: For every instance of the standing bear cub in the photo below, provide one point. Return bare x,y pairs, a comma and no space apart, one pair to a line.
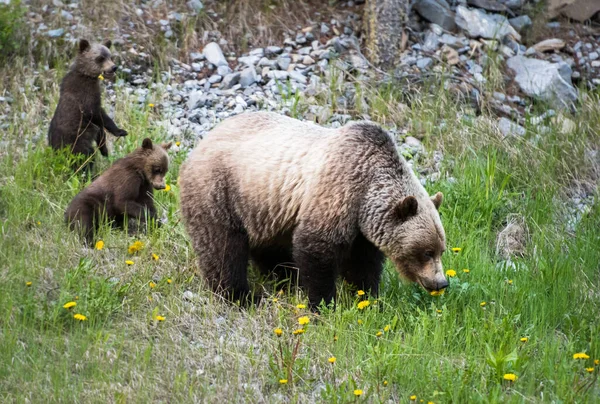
125,189
79,119
332,202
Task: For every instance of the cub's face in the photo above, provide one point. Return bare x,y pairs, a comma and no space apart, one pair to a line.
419,241
95,59
156,163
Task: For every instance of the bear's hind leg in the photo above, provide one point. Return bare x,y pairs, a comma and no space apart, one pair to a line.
276,260
362,265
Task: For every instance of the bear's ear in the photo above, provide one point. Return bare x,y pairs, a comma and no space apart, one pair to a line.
83,45
407,208
437,200
147,143
166,146
107,43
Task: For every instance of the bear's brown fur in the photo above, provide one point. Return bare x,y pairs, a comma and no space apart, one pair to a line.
125,189
330,201
79,119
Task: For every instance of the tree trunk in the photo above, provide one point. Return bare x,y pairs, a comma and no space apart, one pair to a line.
384,21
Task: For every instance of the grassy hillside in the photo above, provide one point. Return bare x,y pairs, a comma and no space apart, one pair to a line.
154,333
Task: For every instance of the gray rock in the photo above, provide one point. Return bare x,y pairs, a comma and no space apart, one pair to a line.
547,81
431,41
278,75
196,100
297,76
521,22
230,80
499,96
56,33
195,5
436,11
593,56
249,60
260,52
213,53
512,3
273,50
424,63
479,24
196,56
509,128
66,15
196,67
324,29
248,77
223,70
215,78
284,62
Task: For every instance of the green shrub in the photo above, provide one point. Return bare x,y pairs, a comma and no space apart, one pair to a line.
12,32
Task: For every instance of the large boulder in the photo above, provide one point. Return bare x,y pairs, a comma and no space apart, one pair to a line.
478,24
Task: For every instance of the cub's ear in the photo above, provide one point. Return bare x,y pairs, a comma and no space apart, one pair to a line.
147,143
166,146
84,45
107,43
437,200
407,208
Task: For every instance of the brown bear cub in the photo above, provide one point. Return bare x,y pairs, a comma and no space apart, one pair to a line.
79,119
125,189
332,202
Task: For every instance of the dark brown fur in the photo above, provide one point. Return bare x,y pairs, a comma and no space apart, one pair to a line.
125,189
79,119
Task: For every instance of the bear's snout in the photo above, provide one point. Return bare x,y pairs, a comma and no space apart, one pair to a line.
113,69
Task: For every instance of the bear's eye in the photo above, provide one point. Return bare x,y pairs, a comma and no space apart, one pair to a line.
429,254
100,59
156,170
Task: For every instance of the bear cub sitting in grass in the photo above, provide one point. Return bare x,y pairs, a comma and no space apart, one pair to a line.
79,119
125,189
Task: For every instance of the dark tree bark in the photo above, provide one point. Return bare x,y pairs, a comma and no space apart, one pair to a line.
384,21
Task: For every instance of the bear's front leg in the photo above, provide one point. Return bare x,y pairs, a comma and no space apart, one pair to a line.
104,121
362,265
317,261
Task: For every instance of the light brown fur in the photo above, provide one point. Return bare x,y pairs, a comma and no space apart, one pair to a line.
323,197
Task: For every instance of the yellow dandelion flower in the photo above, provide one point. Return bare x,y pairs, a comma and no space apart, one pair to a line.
300,306
430,402
510,281
385,383
438,311
360,293
135,247
283,381
379,334
359,321
28,283
76,297
363,304
303,320
151,105
129,262
169,281
167,188
482,304
332,360
456,249
436,292
177,143
160,318
38,223
524,339
68,305
152,285
155,257
510,377
596,361
451,273
101,77
79,317
335,338
589,370
413,398
387,328
358,392
99,245
581,355
278,332
275,300
466,270
299,331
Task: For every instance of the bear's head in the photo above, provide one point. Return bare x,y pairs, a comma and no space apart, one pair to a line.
155,163
417,240
94,60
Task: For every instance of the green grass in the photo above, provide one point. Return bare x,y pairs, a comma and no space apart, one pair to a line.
442,349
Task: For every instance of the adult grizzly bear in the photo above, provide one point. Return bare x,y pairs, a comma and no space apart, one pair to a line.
125,189
332,201
79,119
